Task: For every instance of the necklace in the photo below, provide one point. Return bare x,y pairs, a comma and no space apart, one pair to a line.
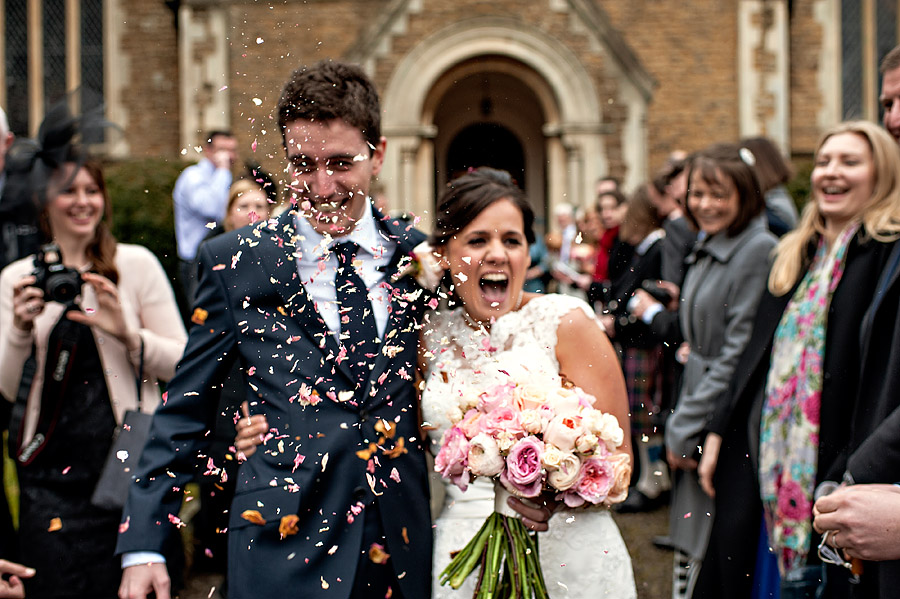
475,324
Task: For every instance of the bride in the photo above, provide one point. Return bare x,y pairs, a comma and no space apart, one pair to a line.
490,329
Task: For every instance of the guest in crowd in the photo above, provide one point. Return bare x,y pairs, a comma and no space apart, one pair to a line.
726,276
791,416
200,196
774,172
641,231
110,347
611,206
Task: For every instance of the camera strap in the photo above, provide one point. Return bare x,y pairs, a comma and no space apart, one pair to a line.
61,348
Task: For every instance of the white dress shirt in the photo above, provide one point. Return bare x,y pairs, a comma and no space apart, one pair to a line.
317,266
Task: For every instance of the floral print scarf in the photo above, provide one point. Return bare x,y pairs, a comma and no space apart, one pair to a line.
789,431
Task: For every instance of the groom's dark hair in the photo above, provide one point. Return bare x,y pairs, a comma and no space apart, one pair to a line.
331,90
467,196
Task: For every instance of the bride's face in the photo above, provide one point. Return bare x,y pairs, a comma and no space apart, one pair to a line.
487,261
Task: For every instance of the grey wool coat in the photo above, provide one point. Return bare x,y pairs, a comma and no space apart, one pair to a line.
725,279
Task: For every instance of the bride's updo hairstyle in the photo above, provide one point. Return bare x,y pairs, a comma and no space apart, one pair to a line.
467,196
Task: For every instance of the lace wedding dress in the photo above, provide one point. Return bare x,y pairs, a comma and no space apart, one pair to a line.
582,554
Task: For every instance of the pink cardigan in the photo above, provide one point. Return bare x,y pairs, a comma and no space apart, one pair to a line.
148,305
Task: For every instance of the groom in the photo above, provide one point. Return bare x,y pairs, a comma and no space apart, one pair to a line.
335,504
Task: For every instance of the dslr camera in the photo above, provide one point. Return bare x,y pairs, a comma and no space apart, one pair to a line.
58,282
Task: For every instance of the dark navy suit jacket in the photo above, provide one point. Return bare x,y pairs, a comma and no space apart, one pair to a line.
335,450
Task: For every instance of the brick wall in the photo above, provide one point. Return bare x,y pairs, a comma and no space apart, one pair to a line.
148,41
689,47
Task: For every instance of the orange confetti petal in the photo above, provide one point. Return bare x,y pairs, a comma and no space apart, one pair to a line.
253,516
288,525
377,553
55,524
398,450
365,454
199,316
386,428
405,534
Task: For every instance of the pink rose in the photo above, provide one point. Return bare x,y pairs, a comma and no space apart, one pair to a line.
523,474
594,483
562,431
500,419
452,459
484,456
470,423
495,397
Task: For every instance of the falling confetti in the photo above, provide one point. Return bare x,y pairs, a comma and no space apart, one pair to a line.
377,554
289,525
199,316
254,517
55,524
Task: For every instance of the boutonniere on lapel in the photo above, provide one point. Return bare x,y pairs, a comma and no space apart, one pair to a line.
421,264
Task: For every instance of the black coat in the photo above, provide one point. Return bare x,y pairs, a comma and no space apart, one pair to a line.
630,331
731,557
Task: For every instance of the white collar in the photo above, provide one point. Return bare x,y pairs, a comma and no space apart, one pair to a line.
365,234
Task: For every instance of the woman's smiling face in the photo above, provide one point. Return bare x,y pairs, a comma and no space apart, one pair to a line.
487,261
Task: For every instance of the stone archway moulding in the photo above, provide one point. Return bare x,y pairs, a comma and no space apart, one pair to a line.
408,169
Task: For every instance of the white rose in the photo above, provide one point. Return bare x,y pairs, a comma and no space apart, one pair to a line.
610,431
484,456
566,475
586,443
565,403
505,440
552,456
531,421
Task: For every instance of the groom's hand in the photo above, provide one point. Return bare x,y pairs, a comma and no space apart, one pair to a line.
535,517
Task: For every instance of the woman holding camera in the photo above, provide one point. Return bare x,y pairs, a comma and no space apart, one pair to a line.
91,359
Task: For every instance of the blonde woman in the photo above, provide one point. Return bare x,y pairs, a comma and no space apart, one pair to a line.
797,382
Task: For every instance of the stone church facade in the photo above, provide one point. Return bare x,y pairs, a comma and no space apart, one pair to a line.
559,92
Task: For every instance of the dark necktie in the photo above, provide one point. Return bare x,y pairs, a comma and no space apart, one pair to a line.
359,333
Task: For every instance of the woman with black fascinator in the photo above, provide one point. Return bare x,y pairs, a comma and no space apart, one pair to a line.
86,328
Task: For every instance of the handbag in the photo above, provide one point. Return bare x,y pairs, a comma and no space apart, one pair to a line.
121,462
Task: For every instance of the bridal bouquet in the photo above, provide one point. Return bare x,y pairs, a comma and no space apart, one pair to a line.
533,438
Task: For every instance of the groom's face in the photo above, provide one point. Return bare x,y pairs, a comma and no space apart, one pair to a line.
331,168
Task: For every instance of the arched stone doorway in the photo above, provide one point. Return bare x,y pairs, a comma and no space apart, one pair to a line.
550,103
486,144
486,113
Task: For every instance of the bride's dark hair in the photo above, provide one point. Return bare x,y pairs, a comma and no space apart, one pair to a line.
467,196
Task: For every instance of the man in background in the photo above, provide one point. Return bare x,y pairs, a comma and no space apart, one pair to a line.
200,196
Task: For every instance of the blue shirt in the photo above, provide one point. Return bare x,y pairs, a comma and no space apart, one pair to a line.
200,196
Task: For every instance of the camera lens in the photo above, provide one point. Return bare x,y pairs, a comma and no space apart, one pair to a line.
63,288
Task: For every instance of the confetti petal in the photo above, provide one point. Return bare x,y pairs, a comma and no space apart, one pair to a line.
254,517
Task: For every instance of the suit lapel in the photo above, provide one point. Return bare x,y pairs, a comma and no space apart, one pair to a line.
277,257
405,296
